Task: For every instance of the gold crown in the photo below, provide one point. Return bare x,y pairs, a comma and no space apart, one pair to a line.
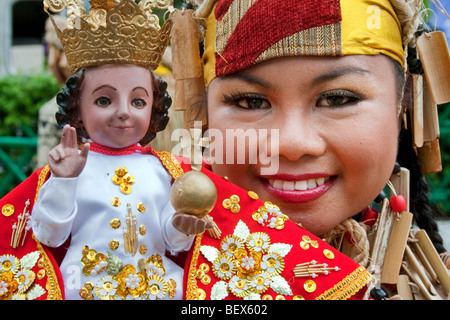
114,31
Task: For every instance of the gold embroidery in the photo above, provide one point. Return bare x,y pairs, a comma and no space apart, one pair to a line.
123,179
270,216
116,202
328,254
313,269
115,223
113,244
54,290
232,203
130,237
170,163
41,180
306,242
192,290
309,286
141,207
253,195
348,286
20,229
8,210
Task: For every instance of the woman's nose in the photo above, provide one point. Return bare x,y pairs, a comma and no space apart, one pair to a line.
300,135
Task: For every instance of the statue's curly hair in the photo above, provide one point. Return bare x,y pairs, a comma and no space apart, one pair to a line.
68,100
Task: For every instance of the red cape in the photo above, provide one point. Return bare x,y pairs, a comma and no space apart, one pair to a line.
31,269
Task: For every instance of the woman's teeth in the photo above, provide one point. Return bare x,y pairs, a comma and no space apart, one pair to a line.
298,185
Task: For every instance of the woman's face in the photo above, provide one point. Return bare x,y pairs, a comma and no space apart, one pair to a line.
116,104
337,122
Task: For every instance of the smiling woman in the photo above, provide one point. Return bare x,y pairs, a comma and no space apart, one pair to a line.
322,118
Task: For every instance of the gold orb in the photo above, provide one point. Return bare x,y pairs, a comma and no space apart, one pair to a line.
193,193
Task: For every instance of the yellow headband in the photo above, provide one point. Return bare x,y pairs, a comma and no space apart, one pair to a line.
240,34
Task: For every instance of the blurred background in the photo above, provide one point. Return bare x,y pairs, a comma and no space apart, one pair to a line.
32,72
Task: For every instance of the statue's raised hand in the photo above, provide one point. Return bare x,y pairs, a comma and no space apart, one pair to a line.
64,160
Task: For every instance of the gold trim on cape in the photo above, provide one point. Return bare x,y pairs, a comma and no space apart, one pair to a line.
54,290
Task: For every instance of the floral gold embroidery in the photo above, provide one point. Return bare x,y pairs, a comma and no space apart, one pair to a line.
247,264
146,281
17,278
270,216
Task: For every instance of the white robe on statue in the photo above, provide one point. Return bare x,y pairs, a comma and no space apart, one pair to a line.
93,210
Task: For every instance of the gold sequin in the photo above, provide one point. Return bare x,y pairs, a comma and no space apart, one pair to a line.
114,244
328,254
232,203
309,286
142,230
7,210
206,279
116,201
123,179
204,267
41,274
280,297
306,242
199,294
115,223
141,207
125,188
266,297
142,249
298,297
253,195
121,171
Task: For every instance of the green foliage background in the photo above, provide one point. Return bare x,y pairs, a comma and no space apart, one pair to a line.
21,97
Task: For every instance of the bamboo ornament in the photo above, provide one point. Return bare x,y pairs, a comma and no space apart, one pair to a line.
434,55
420,271
423,259
403,287
186,61
417,110
429,157
433,257
396,248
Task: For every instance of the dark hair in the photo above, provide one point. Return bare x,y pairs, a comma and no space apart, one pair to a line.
68,100
423,212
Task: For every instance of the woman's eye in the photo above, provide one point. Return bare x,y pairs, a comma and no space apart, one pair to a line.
337,98
247,101
103,102
139,103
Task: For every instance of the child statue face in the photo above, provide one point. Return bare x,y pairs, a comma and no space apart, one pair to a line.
116,104
338,126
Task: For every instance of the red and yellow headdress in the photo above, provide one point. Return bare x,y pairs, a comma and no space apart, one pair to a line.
240,34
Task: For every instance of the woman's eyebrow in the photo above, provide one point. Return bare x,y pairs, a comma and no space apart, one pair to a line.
338,73
247,78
